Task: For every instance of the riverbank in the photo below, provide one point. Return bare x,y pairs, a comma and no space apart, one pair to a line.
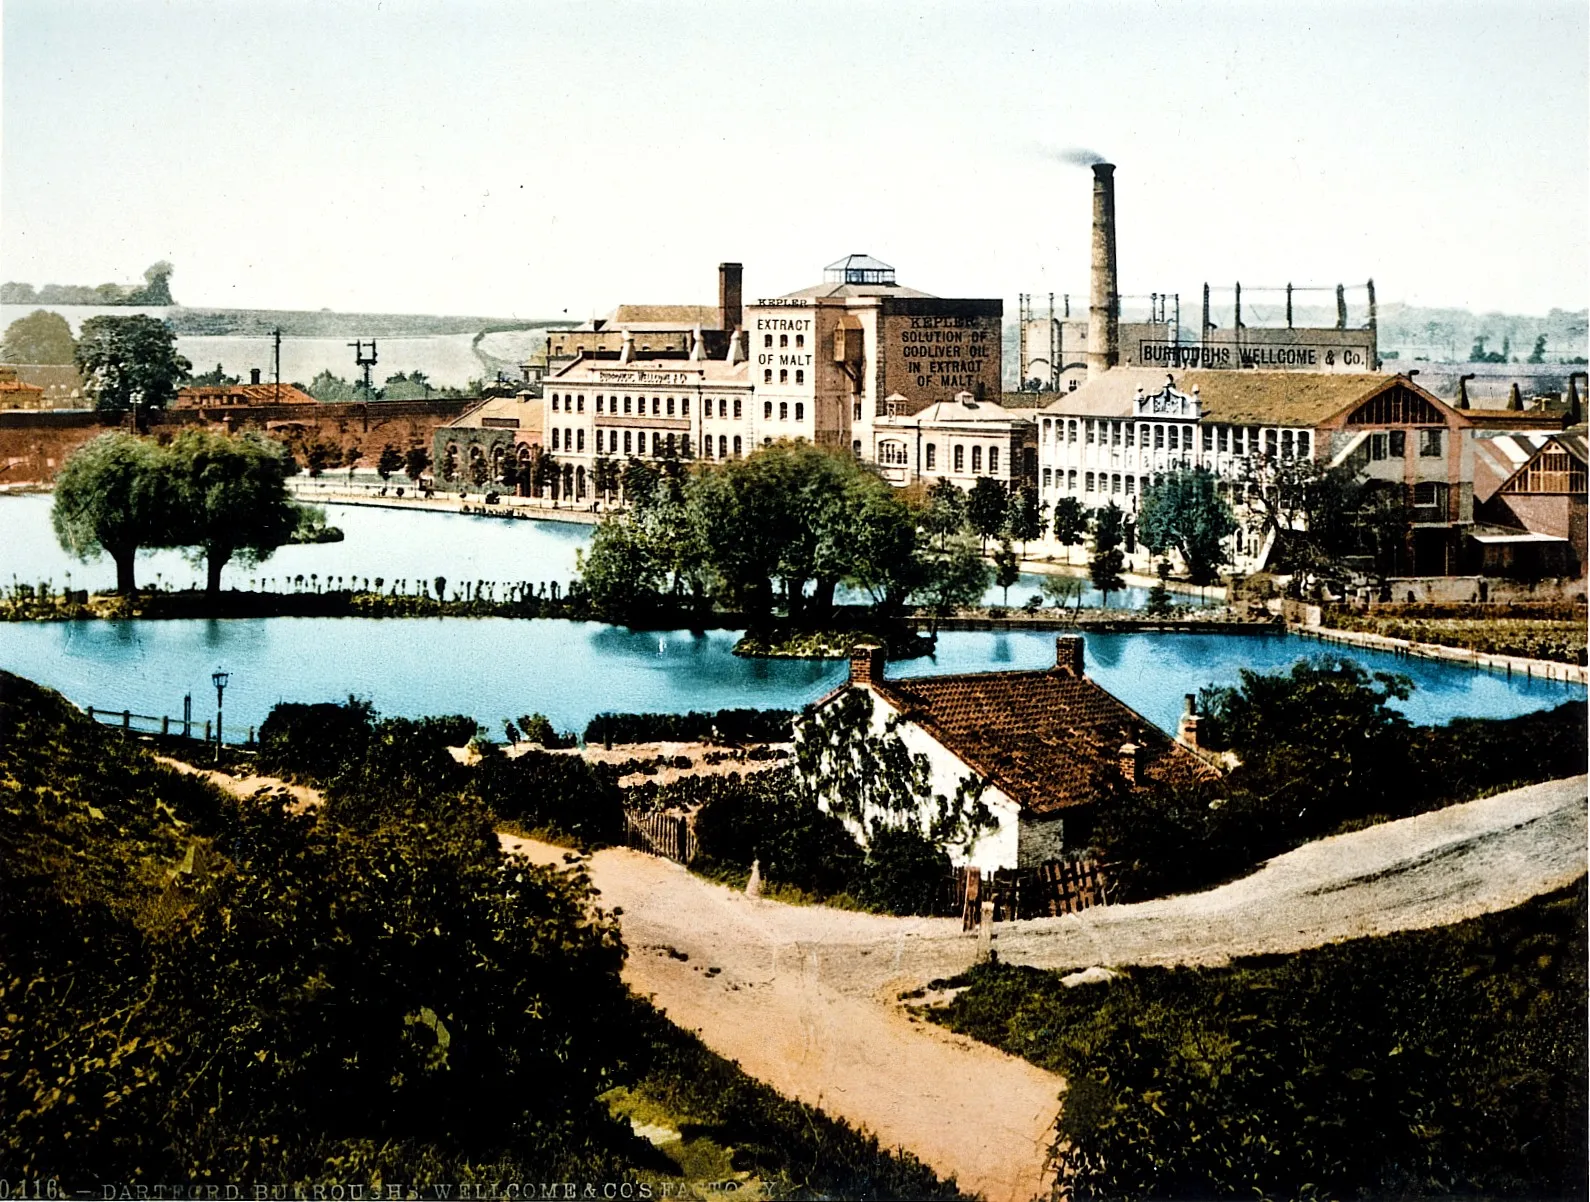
1532,669
507,507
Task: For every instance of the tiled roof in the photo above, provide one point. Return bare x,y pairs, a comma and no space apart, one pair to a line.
196,395
1042,737
1256,398
663,316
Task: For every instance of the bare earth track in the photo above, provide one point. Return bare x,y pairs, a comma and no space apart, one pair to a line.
806,998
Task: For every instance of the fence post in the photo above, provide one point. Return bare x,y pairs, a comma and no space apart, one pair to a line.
206,730
126,721
187,716
165,724
90,713
985,934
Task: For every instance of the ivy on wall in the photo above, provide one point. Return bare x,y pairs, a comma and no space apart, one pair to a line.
871,779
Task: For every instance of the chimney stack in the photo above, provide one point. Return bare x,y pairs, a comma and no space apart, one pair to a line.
253,375
866,664
1515,402
1131,760
731,304
1068,655
1463,390
1187,728
1103,309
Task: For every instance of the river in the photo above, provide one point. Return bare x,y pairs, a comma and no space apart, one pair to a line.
497,668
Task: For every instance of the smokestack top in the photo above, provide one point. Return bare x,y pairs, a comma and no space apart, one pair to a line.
1102,168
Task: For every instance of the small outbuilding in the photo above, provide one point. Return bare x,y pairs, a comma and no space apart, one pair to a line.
1007,769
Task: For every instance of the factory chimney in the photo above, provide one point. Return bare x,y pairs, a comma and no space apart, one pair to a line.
1103,309
730,304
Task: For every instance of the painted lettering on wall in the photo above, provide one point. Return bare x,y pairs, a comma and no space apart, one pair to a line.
948,353
1278,356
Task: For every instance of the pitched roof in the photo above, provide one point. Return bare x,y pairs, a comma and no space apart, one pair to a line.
196,395
1042,737
1254,398
663,316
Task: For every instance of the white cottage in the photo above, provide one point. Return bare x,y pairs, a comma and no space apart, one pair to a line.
1035,750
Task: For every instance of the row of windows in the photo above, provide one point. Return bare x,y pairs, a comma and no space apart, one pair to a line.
723,407
1239,440
893,454
1393,444
783,411
634,443
783,376
1113,483
660,406
572,440
783,340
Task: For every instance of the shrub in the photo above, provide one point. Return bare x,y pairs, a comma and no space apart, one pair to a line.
536,728
904,873
560,792
767,817
727,726
314,742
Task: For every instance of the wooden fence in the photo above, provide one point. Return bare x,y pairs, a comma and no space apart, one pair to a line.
1058,887
661,834
162,724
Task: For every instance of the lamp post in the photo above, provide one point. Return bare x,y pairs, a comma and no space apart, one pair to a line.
219,678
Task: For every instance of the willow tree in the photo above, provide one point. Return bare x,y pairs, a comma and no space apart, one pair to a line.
233,499
113,496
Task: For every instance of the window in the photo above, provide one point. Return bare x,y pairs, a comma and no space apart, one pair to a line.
1159,438
977,460
1377,446
932,456
800,341
959,458
736,443
1048,476
1131,434
656,442
736,406
1225,438
579,403
855,412
723,446
684,406
783,340
1397,443
670,406
668,446
800,376
1115,484
1071,430
626,432
1270,443
767,411
783,375
1303,440
855,447
993,460
1427,495
1209,438
579,440
1087,482
1115,434
684,445
800,410
555,433
1087,430
599,402
1429,444
767,340
1286,444
1071,480
783,411
723,407
626,404
1131,485
767,373
555,403
656,406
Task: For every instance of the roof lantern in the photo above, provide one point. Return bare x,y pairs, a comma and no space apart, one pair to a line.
859,269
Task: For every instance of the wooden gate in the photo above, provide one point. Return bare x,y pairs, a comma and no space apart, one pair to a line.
1053,888
661,834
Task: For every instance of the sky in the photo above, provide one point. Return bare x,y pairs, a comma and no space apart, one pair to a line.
535,160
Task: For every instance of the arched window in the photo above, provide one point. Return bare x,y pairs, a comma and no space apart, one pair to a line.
656,442
579,403
684,406
958,457
800,341
931,453
736,406
993,461
977,460
555,435
555,402
626,404
579,440
656,406
800,376
767,340
723,446
767,411
737,451
1087,482
783,411
1071,480
783,376
1071,430
783,340
767,373
670,406
800,410
626,442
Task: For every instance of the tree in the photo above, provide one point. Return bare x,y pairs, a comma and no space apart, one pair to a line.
157,286
1107,561
1025,520
114,496
1538,355
415,461
1183,510
232,499
619,570
130,364
390,462
987,508
955,575
1159,595
214,379
1007,568
1061,590
1069,521
946,510
1325,520
327,387
40,337
479,469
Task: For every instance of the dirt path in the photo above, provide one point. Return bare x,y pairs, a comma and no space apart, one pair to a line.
806,998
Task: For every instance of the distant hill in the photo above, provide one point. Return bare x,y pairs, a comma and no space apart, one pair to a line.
323,323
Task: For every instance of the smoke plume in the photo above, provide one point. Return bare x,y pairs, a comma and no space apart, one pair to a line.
1076,156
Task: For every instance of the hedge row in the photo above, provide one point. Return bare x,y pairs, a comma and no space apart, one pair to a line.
728,726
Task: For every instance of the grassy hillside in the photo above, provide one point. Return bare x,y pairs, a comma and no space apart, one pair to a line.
1427,1064
194,988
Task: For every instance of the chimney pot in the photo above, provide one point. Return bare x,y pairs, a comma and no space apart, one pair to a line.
1131,760
1191,704
253,375
866,664
1068,654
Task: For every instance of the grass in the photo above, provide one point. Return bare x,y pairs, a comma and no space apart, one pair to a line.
1422,1064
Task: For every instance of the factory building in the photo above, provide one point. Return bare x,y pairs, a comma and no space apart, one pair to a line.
654,329
961,440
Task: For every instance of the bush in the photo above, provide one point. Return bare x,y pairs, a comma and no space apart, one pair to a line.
904,873
562,793
536,728
1430,1063
314,742
728,726
767,817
